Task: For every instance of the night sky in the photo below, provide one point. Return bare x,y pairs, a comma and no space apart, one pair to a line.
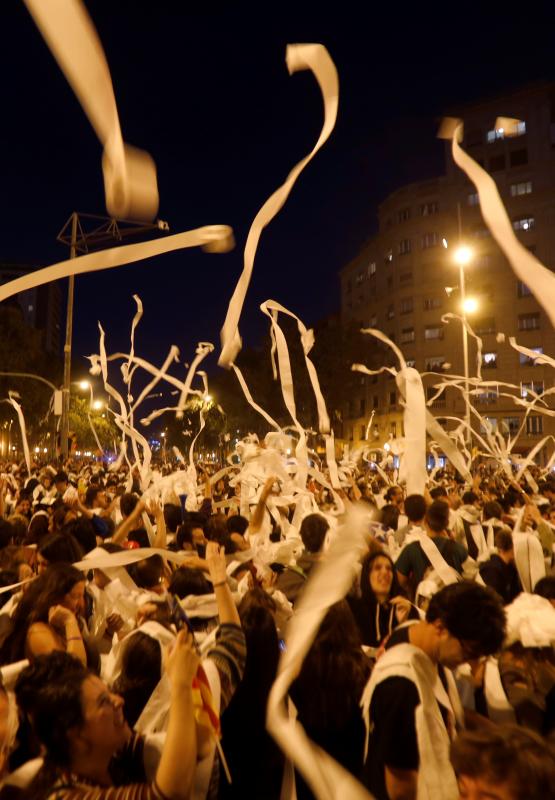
208,94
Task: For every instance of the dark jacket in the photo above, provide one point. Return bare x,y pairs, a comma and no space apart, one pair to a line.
503,578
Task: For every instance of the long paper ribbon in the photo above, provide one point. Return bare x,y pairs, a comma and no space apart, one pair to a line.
316,58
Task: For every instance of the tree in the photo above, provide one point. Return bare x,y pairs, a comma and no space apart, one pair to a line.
80,425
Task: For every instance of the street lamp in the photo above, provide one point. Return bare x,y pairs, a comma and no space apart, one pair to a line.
463,256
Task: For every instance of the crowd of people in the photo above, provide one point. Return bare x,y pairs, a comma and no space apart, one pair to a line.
141,633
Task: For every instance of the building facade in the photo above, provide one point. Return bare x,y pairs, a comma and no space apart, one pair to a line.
41,306
405,279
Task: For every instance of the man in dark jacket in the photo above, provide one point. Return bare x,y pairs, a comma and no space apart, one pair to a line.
500,571
293,578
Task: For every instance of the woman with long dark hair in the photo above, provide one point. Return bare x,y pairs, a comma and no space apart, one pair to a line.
382,604
328,689
46,617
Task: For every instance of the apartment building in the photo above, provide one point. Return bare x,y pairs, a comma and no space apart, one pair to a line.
405,278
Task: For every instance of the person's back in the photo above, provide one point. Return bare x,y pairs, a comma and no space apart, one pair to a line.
500,571
413,562
292,579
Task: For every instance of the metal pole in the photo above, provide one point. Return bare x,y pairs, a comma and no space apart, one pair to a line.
67,347
468,436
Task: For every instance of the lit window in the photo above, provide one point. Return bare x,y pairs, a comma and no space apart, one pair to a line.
404,247
30,308
430,240
433,332
406,305
529,322
524,224
427,209
411,362
537,387
372,268
534,425
390,311
388,256
530,361
518,189
489,360
407,335
473,199
359,278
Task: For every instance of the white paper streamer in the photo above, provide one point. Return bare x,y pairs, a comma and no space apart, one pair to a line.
314,57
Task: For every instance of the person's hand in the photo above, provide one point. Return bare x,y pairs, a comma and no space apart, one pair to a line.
182,661
267,488
402,608
60,616
114,623
215,558
153,506
145,612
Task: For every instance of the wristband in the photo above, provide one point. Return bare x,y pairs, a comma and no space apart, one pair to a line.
74,639
220,583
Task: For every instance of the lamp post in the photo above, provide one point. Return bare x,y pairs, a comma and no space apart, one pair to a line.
463,256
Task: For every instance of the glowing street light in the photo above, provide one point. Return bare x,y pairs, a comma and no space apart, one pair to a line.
97,405
463,255
470,305
84,385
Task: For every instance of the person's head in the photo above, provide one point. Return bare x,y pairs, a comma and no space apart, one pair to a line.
95,497
58,547
82,529
60,584
415,508
507,762
313,530
127,503
186,581
172,517
389,516
215,529
150,574
504,545
100,578
437,517
439,493
470,499
545,587
378,581
61,481
468,622
237,524
38,528
492,510
141,670
394,496
72,712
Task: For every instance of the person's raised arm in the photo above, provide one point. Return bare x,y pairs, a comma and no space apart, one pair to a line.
257,518
128,523
227,610
176,770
